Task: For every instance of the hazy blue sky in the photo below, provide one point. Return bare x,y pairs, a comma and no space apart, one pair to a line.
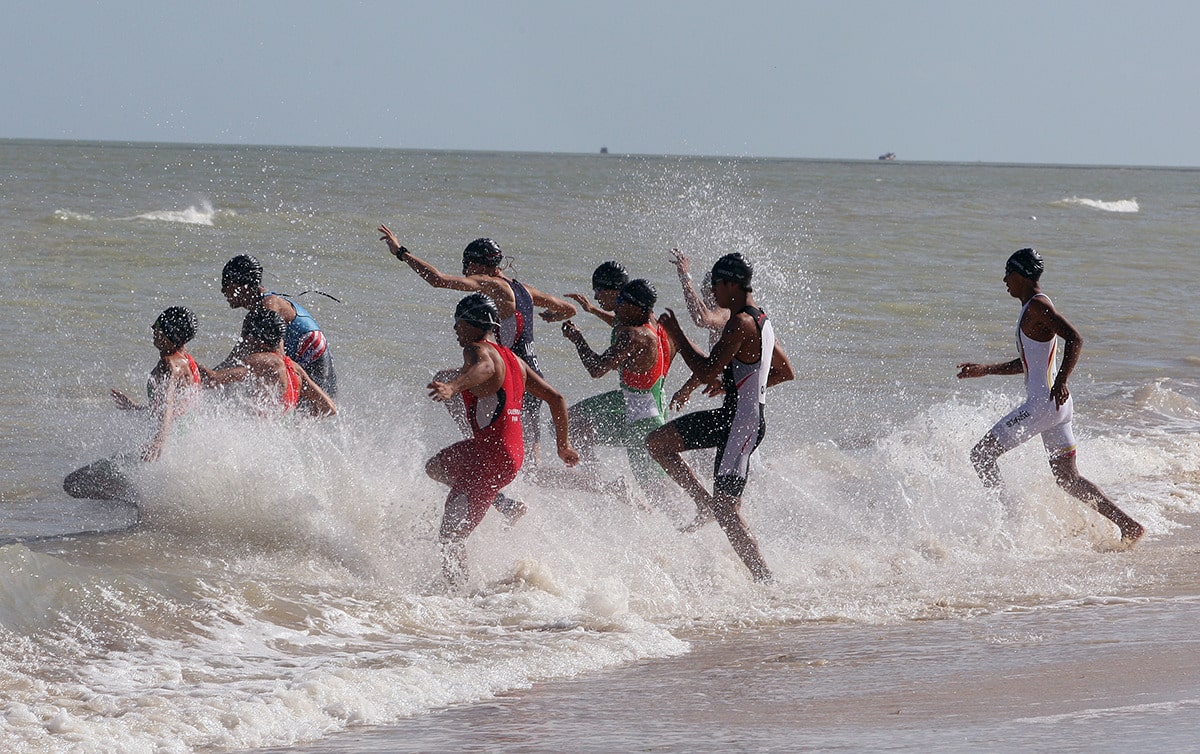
1006,81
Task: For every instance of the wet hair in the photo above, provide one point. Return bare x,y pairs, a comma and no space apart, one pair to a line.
478,310
640,293
1026,262
264,326
609,276
177,324
483,251
734,268
242,270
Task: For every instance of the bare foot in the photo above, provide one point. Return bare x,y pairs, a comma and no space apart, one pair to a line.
510,508
1131,533
702,518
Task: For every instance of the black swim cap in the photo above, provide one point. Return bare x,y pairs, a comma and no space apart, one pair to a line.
483,251
242,270
264,326
478,310
1026,262
609,276
735,268
177,323
640,293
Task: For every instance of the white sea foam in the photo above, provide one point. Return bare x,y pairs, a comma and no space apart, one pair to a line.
193,215
1118,205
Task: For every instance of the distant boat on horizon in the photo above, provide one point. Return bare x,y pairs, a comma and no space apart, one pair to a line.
603,150
888,156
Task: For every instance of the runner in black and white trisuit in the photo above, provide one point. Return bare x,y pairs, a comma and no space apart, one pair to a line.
749,360
1048,407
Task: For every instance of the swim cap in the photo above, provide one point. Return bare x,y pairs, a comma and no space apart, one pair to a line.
640,293
609,276
1026,262
478,310
177,324
483,251
735,268
264,326
242,270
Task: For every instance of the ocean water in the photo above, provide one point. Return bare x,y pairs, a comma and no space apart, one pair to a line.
283,590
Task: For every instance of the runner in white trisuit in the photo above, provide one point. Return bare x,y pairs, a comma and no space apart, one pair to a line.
1048,408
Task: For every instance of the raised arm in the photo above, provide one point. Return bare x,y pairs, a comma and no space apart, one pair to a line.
702,314
425,270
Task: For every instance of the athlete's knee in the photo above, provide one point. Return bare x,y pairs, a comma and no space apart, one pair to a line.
662,442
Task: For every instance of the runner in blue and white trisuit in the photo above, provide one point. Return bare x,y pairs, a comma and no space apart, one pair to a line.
749,360
1048,408
303,343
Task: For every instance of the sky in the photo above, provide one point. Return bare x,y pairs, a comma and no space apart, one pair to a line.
1058,82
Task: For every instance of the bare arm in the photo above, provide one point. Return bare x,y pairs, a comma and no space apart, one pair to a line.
425,270
702,314
600,364
971,369
554,308
1044,320
314,399
477,370
537,386
781,367
176,380
706,368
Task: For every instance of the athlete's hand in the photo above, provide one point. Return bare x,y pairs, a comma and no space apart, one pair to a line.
124,402
572,332
550,315
968,369
389,238
152,451
671,323
583,301
1060,393
681,397
680,261
714,389
569,455
440,391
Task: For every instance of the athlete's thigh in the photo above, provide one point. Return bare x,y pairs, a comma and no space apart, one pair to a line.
703,429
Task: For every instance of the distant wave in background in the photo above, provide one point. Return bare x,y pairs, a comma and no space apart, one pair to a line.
1120,205
193,215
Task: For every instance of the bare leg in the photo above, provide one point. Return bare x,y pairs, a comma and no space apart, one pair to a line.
665,446
983,458
1067,476
728,513
456,525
